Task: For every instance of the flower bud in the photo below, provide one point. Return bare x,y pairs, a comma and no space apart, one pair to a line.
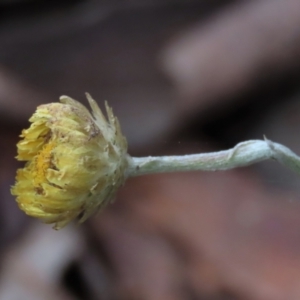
75,163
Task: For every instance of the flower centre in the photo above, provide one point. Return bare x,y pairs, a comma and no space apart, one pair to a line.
42,163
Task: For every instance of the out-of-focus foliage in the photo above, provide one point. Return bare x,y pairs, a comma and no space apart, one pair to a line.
182,77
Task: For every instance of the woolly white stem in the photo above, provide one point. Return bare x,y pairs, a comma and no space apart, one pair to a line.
243,154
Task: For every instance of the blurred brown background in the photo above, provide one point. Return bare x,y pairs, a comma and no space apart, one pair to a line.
182,77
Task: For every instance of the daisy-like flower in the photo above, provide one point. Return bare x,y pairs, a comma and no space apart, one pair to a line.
75,163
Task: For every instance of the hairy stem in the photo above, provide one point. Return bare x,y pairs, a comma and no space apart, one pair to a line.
243,154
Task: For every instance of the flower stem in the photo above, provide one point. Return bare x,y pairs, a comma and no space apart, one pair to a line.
243,154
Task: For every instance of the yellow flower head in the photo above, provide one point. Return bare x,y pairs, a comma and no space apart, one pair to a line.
75,162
